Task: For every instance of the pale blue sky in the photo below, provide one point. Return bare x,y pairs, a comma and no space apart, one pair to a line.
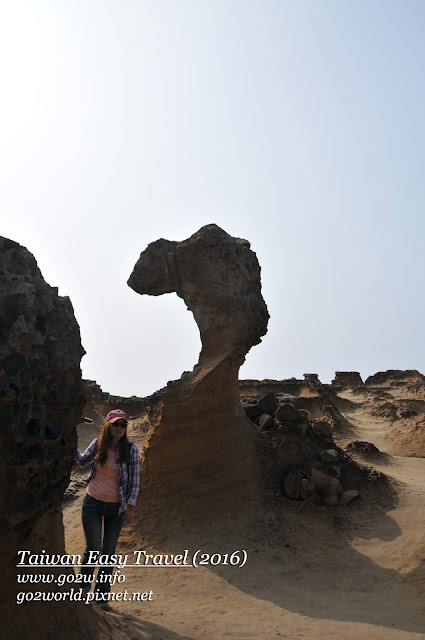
298,125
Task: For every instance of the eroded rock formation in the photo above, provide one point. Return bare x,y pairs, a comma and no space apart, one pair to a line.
200,454
42,399
347,379
296,433
98,403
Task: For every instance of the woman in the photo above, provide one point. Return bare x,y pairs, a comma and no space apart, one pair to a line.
110,496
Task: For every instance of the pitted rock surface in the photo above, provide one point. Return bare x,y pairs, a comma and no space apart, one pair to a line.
200,453
41,402
40,387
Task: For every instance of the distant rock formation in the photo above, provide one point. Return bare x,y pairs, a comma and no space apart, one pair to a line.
42,399
98,403
319,401
394,377
347,379
297,450
398,398
200,456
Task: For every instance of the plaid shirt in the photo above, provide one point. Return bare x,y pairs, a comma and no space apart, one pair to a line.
129,477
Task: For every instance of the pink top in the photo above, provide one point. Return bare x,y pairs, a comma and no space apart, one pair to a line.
106,482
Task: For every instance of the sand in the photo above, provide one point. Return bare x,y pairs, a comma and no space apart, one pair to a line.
311,572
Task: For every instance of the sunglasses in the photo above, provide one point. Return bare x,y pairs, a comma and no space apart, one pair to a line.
121,425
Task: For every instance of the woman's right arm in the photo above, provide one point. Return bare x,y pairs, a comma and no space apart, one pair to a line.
84,459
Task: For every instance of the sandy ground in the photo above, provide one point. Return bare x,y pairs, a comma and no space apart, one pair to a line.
313,573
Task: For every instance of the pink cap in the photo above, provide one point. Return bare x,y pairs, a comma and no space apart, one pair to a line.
116,414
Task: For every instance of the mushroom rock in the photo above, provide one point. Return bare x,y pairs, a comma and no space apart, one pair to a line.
200,454
42,398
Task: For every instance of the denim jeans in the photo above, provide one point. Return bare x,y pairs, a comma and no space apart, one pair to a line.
92,513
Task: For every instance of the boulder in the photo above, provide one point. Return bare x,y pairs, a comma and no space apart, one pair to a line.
287,411
293,484
268,403
335,484
330,496
319,479
348,496
303,414
362,447
265,422
308,492
330,455
293,429
252,410
322,426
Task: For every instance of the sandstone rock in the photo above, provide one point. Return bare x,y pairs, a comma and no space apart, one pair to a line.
363,447
40,386
319,479
312,379
308,492
218,277
252,410
333,470
248,401
394,376
42,400
303,414
330,496
335,484
293,430
99,403
348,496
265,421
293,484
286,411
347,379
268,403
408,413
322,427
330,455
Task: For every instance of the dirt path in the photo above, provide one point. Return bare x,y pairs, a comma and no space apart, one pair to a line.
359,576
370,428
407,550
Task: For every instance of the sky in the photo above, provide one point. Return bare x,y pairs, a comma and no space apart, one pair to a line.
298,125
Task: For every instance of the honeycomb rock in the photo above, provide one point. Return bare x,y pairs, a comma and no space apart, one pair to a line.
41,401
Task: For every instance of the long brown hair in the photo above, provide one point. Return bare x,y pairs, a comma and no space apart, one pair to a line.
104,443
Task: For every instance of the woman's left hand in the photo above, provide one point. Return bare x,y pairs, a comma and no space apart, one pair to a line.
129,514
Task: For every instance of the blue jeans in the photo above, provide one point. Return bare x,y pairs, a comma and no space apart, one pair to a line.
92,513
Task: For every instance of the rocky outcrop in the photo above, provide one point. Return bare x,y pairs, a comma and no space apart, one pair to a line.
40,385
98,403
347,380
200,456
310,467
298,451
290,387
396,397
42,399
295,401
395,377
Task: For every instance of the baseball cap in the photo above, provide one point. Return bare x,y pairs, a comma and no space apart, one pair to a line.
116,414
